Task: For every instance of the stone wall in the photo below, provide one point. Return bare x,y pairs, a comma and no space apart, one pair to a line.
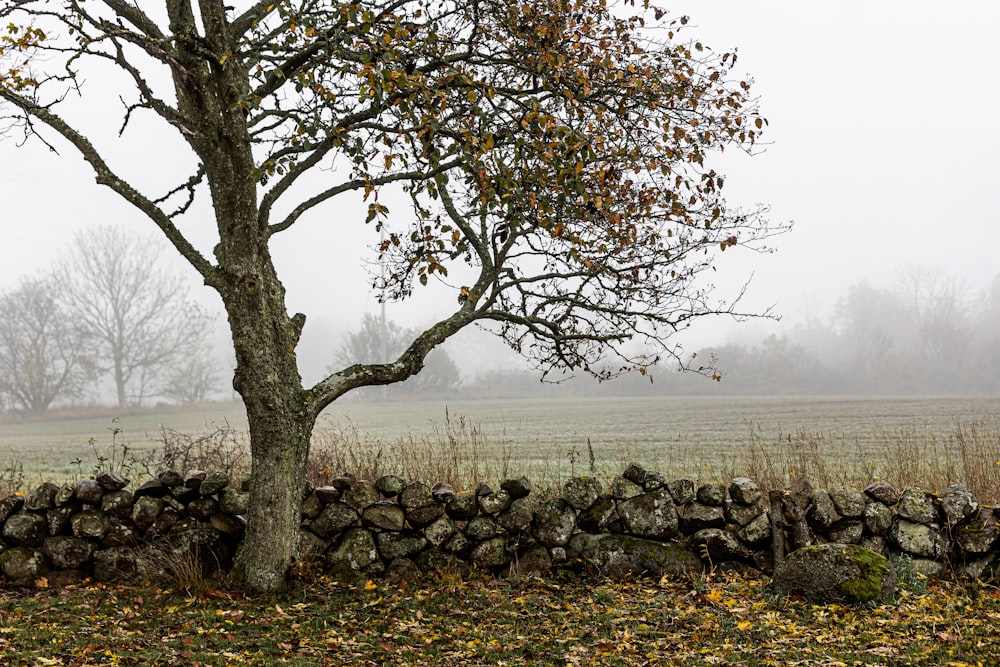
643,523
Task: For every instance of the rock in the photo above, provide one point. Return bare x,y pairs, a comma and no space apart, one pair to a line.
517,488
711,494
518,517
554,523
343,482
42,498
184,493
877,518
58,518
635,473
119,534
214,483
597,517
170,478
333,519
166,520
9,505
434,560
462,506
153,488
116,564
846,531
355,548
650,515
233,526
459,544
420,517
416,495
741,515
682,491
917,506
494,503
720,545
64,495
361,494
623,489
22,565
69,553
88,491
491,554
616,555
390,486
194,478
957,504
203,508
402,569
440,532
836,573
978,536
757,533
311,546
882,492
312,506
534,560
442,492
117,503
26,529
822,512
918,539
325,494
392,544
653,481
483,489
696,517
482,528
384,515
111,481
744,491
234,501
850,503
582,492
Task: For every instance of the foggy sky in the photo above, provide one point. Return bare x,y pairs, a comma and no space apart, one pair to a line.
882,147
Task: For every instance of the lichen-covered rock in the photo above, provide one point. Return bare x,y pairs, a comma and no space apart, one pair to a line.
615,555
653,481
362,494
682,491
597,517
978,536
917,506
69,553
757,533
491,554
356,548
635,473
26,529
145,510
166,520
23,565
623,489
88,491
957,504
720,545
517,488
850,503
419,517
42,498
416,495
235,501
333,519
741,515
882,492
440,532
119,534
877,518
554,523
482,528
111,481
918,539
744,491
846,531
170,478
650,515
213,483
442,492
58,518
582,492
392,544
462,506
822,512
326,495
534,560
9,505
116,564
117,503
64,495
343,482
711,494
311,545
312,506
695,517
518,517
384,515
836,573
494,503
390,486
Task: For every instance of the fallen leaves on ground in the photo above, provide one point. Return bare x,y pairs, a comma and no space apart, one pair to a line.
491,621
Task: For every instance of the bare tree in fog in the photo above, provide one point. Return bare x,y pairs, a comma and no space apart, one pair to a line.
140,316
43,351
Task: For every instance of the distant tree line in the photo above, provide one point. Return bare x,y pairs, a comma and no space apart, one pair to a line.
107,313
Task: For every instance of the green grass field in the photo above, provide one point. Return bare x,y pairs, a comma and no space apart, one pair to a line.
700,437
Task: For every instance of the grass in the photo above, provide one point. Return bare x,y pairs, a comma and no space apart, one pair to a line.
488,621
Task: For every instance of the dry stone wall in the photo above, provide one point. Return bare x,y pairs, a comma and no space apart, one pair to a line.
640,523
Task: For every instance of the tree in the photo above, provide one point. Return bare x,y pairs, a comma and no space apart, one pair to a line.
43,352
553,155
193,378
379,341
140,315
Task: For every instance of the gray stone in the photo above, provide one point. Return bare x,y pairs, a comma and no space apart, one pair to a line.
203,508
384,515
119,534
597,517
26,529
333,519
957,504
877,518
228,524
741,515
534,560
69,553
651,515
462,506
850,503
846,531
311,545
978,536
518,517
623,489
483,489
184,493
744,491
482,528
42,498
653,481
214,483
440,532
116,564
117,503
882,492
711,494
343,482
392,544
419,517
494,503
312,506
326,494
153,487
697,517
88,491
917,506
111,481
720,545
616,555
682,491
554,523
492,553
194,478
170,478
757,533
918,539
234,501
361,494
635,473
459,544
58,518
22,565
356,548
442,492
390,485
166,520
402,569
145,510
517,488
64,495
416,495
582,492
9,505
836,573
822,512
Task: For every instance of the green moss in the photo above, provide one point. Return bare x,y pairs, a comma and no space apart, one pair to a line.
872,568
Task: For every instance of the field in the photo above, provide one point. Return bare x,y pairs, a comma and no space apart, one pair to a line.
768,438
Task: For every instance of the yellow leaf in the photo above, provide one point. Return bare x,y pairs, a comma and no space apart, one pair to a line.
370,585
743,626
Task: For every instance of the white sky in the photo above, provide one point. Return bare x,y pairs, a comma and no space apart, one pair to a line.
882,148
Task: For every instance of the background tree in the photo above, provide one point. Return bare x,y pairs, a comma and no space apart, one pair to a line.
43,352
192,378
554,155
380,341
139,315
